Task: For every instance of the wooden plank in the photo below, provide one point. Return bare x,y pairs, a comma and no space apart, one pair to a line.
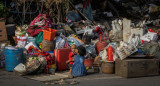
121,68
3,33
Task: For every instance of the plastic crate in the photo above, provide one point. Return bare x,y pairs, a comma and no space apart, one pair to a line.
49,34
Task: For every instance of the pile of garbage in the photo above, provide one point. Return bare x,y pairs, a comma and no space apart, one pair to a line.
114,38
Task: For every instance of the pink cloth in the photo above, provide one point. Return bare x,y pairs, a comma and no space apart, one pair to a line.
46,22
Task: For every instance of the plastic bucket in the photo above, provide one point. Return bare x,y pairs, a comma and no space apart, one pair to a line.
13,56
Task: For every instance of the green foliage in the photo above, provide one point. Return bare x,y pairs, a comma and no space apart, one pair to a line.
3,11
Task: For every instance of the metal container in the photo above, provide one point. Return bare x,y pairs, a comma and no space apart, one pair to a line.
13,56
108,67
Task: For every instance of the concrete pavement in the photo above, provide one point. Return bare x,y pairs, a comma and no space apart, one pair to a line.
10,79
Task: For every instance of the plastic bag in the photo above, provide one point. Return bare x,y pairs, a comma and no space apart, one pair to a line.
31,44
139,31
20,68
32,65
21,41
150,36
134,40
61,42
104,55
91,50
88,30
116,33
58,39
43,63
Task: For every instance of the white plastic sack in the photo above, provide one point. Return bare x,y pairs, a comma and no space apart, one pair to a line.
116,32
60,44
134,40
139,31
20,68
60,41
104,55
88,30
31,44
21,41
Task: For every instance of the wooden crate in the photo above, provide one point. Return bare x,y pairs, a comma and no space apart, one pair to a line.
130,68
3,33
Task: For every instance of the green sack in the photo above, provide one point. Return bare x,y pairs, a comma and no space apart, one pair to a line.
39,38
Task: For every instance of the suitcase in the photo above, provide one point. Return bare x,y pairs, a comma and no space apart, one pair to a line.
131,68
61,56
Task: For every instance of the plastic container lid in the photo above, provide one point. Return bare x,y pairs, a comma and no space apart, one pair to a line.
11,48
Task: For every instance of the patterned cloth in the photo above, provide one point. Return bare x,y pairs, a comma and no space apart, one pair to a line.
78,68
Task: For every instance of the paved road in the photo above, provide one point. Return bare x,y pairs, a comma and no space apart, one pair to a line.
10,79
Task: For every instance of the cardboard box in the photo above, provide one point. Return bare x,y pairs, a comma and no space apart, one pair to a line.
3,33
131,68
